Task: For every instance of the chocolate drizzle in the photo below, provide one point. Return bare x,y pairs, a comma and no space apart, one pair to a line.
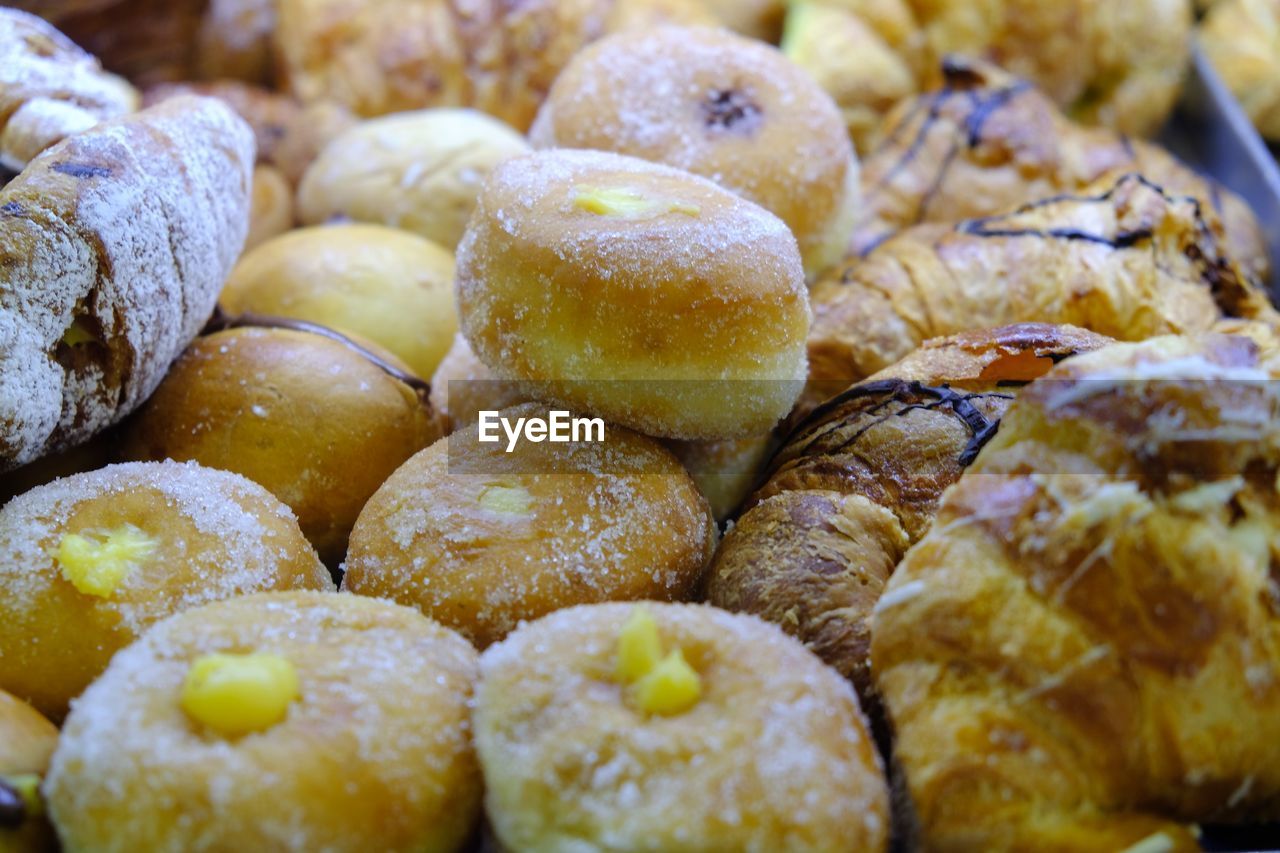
13,809
221,322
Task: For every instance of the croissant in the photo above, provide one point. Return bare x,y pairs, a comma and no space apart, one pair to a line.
987,141
1083,652
1129,261
113,246
858,482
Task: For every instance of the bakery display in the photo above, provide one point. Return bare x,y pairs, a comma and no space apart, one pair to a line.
420,171
317,418
247,716
480,536
672,727
26,744
113,244
857,483
89,562
530,426
381,284
718,105
636,292
1081,653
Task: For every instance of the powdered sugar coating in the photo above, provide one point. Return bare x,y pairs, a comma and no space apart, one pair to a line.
731,109
773,756
375,754
118,238
39,63
216,535
699,310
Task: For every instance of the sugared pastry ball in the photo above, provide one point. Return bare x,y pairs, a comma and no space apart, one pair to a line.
420,171
479,538
89,562
26,743
463,387
316,421
383,284
689,300
722,106
286,722
672,727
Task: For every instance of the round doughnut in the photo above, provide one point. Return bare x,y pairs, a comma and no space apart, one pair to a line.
113,244
722,106
26,744
89,562
420,171
361,742
479,538
463,387
313,419
584,265
385,285
672,727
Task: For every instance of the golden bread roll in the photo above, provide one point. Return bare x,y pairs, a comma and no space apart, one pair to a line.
319,420
1242,40
721,106
462,387
736,738
383,56
1084,651
420,171
1127,260
636,292
382,284
271,209
113,244
987,142
89,562
288,721
26,745
481,536
858,482
49,89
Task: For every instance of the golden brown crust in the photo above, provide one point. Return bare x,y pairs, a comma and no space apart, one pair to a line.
311,419
375,753
987,142
482,539
1096,596
271,210
215,535
1155,263
1242,40
115,242
774,755
234,41
858,482
27,741
383,56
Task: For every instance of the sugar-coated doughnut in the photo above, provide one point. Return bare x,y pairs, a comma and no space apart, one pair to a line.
419,170
672,727
480,539
89,562
315,420
26,744
636,292
722,106
383,284
363,741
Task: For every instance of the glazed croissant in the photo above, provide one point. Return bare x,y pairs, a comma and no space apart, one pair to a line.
1084,650
858,483
1129,261
987,142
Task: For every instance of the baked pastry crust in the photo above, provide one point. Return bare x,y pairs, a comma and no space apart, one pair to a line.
113,245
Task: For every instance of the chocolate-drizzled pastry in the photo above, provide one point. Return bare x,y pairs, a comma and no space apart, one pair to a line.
113,244
317,418
1126,259
986,142
858,482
